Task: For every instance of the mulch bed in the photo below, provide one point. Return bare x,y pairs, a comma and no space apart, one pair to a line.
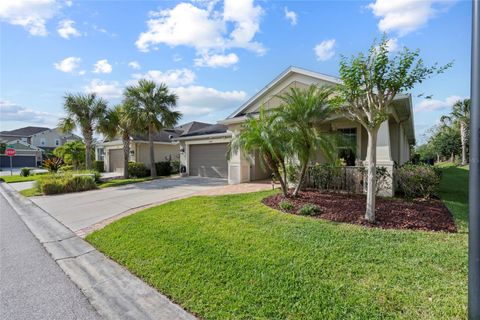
428,215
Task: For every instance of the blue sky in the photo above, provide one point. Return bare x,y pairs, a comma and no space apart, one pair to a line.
213,54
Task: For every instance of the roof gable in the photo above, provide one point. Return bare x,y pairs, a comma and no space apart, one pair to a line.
25,131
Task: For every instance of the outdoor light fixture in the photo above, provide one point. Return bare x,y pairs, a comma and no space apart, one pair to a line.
182,150
132,153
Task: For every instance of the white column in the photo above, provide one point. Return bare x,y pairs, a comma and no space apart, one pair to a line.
238,166
384,159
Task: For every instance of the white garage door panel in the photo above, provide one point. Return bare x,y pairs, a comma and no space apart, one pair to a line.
116,160
208,160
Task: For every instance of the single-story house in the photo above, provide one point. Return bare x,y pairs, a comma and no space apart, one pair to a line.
204,152
166,148
26,155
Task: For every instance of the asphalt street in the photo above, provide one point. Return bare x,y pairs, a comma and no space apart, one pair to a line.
32,285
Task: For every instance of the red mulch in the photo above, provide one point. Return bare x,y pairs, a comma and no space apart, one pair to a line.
429,215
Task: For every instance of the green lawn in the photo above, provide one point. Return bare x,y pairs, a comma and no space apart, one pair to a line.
18,178
121,182
231,257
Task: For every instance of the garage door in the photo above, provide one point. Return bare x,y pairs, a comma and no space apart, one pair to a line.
209,160
18,161
115,158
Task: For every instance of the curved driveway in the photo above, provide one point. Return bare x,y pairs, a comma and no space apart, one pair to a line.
81,210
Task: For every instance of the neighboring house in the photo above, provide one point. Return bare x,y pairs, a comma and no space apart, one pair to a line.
26,155
36,138
166,148
204,152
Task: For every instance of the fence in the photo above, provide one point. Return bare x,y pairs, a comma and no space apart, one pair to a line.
338,179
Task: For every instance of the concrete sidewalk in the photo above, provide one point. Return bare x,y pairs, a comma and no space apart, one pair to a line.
112,290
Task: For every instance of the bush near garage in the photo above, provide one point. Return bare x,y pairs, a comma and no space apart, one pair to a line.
175,166
65,183
164,168
99,166
25,172
137,169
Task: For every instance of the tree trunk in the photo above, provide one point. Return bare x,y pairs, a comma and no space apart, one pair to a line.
126,154
88,149
452,157
300,179
153,169
463,137
371,174
271,165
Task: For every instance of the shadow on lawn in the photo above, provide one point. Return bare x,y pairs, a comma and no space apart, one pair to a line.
454,193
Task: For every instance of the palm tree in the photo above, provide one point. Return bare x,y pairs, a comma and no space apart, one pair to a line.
120,121
460,113
154,103
83,111
261,135
301,112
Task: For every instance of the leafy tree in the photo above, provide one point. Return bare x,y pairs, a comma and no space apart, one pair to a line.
461,113
300,113
120,122
72,152
263,135
445,140
370,83
154,103
83,111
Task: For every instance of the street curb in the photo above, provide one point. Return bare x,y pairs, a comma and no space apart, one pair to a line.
112,290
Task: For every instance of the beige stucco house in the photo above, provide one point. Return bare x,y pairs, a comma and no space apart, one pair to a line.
204,152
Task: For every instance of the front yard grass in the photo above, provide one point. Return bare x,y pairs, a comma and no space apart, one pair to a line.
19,178
121,182
231,257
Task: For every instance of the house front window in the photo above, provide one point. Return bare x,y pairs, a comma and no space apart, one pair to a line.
348,145
57,142
42,141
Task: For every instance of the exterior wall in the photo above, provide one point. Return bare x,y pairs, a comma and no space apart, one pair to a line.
106,157
162,152
50,138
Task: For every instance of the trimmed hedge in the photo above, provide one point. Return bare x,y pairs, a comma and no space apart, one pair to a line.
137,169
65,183
164,168
25,172
418,180
99,166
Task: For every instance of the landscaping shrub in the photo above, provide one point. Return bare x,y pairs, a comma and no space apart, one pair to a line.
164,168
53,164
96,174
137,169
25,172
175,164
65,168
309,210
98,166
418,181
285,205
65,183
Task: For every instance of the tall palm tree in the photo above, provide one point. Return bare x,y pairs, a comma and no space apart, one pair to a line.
301,112
261,135
461,113
120,122
83,111
154,103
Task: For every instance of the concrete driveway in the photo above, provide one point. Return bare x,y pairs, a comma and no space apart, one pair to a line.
82,210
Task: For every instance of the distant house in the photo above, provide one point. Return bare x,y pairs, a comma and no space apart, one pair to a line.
30,142
166,148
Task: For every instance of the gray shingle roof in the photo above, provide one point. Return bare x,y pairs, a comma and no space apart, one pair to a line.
211,129
24,132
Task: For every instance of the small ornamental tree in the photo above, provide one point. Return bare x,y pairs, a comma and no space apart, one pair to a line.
461,113
370,83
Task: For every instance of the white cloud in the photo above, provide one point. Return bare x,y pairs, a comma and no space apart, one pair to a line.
325,50
405,16
30,14
434,104
134,65
102,66
68,65
66,29
173,78
216,60
177,58
290,16
209,31
105,89
10,111
198,100
392,45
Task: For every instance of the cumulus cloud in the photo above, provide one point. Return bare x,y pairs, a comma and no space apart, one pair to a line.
173,78
291,16
134,65
66,29
216,60
10,111
102,66
202,27
434,104
198,100
68,65
325,50
405,16
30,14
104,89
